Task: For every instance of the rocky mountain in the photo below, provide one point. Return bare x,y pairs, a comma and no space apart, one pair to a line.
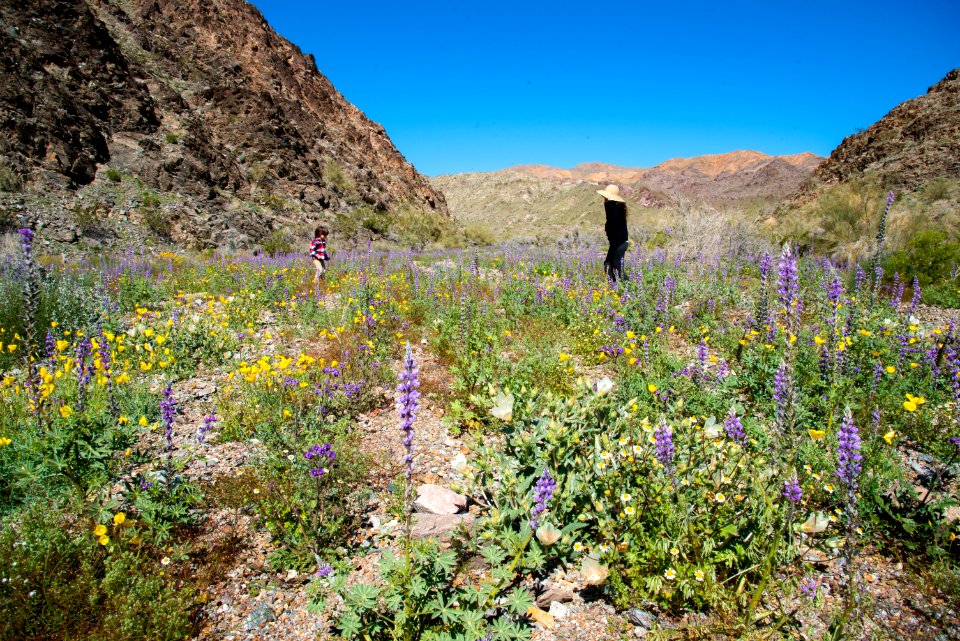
526,200
191,117
913,151
710,165
917,141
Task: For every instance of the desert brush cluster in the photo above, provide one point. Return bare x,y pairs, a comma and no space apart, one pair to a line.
703,436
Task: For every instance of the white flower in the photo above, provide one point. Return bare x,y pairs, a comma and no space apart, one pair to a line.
604,385
670,575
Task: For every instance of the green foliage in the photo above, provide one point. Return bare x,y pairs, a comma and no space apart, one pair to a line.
277,242
334,174
70,300
849,212
154,217
310,516
428,594
10,180
172,138
88,218
935,190
114,175
60,583
928,255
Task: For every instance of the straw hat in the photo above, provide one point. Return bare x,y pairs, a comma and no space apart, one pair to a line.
611,192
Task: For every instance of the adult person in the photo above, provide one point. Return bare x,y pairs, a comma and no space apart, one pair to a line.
615,207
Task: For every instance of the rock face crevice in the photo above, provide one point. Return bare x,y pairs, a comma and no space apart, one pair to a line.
196,98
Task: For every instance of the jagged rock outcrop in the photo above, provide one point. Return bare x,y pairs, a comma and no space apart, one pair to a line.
200,101
917,141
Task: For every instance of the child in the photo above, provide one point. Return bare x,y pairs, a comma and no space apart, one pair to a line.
318,252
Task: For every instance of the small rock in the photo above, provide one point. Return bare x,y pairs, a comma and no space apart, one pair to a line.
558,610
551,595
641,618
434,499
262,614
440,525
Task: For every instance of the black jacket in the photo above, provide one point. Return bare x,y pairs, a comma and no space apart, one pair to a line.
616,225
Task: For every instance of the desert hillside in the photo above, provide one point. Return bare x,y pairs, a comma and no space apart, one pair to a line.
193,119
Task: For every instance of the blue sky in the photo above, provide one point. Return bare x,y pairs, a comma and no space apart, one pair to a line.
478,86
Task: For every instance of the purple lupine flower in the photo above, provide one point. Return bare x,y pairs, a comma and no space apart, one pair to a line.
858,280
168,409
208,424
51,346
896,293
542,493
809,588
766,261
324,455
26,239
791,490
781,393
956,441
835,292
734,427
324,570
915,299
663,439
788,282
848,451
407,396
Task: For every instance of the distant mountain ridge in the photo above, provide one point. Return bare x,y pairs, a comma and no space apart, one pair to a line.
711,165
531,200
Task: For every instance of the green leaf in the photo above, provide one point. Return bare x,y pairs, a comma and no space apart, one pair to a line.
362,595
519,600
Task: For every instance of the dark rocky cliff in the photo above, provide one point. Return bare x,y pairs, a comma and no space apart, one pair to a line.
194,111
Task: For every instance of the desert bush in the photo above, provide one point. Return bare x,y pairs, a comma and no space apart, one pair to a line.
59,582
849,214
87,218
936,189
478,234
10,180
700,230
277,242
334,174
113,175
154,217
928,255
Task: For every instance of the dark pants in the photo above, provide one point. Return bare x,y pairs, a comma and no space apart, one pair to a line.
613,264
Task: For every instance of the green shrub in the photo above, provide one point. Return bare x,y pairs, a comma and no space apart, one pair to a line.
478,234
60,583
334,174
173,138
155,218
87,218
849,213
376,221
114,175
936,189
10,180
277,242
928,255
